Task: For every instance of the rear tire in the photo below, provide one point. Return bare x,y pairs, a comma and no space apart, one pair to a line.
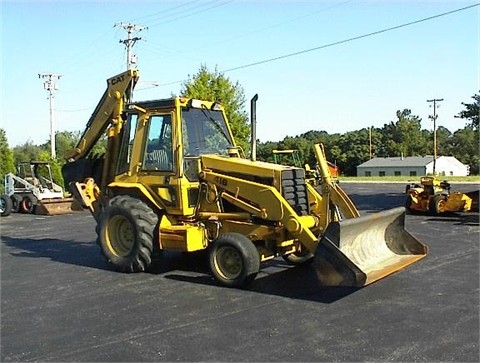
126,233
28,204
16,201
5,205
234,260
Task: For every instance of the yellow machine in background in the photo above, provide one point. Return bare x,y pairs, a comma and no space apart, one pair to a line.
172,178
434,196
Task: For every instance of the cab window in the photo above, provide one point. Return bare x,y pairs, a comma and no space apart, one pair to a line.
158,153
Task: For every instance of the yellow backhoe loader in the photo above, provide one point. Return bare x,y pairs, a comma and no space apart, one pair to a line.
172,178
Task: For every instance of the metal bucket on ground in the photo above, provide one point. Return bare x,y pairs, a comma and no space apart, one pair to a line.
57,206
359,251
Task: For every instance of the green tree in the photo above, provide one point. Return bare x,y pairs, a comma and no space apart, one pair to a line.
472,111
215,87
354,149
7,164
444,142
403,137
64,141
299,143
27,152
465,143
265,150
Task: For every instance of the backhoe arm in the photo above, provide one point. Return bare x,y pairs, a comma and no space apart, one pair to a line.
108,110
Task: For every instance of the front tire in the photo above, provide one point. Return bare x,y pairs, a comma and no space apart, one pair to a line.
126,233
438,206
408,203
234,260
5,205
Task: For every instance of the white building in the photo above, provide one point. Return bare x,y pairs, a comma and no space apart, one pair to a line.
413,166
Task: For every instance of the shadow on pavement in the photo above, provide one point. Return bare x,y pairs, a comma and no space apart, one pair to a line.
464,219
286,281
292,282
371,203
69,252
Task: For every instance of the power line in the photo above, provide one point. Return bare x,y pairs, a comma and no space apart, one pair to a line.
333,44
276,25
192,13
247,34
349,39
166,10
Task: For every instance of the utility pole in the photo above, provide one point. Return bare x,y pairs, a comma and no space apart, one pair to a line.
434,118
51,86
131,30
370,139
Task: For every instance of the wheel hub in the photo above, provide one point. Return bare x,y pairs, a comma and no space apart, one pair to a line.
229,262
120,235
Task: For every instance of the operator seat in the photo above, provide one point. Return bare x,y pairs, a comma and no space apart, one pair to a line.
157,159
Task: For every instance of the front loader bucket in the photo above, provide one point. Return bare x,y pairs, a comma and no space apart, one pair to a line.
359,251
52,206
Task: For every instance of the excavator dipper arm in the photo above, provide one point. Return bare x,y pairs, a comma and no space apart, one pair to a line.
108,110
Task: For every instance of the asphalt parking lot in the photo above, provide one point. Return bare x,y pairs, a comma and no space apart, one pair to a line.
60,302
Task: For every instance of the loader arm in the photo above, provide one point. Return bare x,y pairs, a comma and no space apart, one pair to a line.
108,110
269,205
332,191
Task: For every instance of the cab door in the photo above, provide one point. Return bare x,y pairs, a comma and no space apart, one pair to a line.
157,167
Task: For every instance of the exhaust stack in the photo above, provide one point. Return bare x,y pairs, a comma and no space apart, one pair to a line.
253,126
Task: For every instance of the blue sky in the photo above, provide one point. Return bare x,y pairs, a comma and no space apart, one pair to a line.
340,88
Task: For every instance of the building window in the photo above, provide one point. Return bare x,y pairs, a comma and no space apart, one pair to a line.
413,173
368,173
398,173
381,173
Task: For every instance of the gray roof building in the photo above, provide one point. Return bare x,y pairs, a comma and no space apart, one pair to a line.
412,166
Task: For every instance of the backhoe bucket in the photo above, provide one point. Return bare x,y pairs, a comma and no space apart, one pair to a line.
358,251
57,206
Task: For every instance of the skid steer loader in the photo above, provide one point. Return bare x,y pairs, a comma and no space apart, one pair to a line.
172,178
32,190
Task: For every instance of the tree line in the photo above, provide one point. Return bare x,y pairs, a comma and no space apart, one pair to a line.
401,137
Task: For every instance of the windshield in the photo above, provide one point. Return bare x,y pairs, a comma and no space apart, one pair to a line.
204,132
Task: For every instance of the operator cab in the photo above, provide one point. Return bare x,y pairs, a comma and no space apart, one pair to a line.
195,127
